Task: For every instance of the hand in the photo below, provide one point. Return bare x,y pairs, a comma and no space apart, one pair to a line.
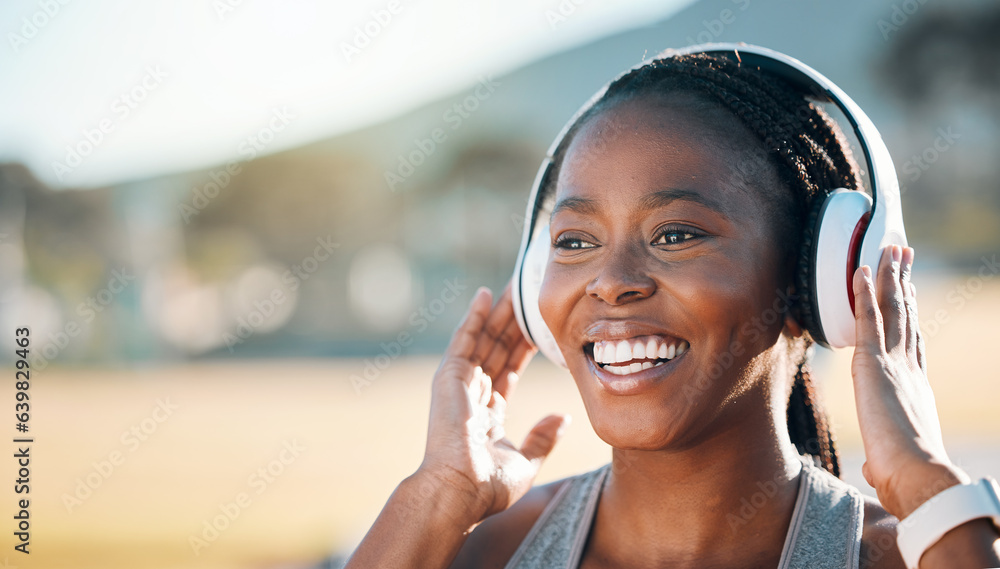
906,461
466,446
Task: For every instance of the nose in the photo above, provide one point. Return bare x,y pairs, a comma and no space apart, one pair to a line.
622,278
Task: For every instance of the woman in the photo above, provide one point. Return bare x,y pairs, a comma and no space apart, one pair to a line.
681,200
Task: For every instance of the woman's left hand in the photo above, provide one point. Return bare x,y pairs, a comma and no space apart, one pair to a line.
906,461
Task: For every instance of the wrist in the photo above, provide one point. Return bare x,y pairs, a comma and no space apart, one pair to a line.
921,484
448,492
959,523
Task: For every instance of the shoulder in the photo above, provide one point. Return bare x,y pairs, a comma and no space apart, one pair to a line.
878,532
495,539
878,539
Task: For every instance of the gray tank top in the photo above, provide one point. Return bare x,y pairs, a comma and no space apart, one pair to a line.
825,531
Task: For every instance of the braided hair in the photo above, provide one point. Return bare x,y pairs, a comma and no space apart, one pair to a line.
811,157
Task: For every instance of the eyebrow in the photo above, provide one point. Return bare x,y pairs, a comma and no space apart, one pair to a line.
656,200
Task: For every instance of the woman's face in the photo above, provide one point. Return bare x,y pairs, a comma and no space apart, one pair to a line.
664,238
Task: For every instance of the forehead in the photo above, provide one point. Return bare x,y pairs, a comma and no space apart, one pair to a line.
651,143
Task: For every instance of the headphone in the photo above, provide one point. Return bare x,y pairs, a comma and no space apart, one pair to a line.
846,228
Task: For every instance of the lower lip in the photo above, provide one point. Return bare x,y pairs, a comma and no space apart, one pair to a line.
632,383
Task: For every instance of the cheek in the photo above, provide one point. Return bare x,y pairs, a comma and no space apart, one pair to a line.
556,299
732,303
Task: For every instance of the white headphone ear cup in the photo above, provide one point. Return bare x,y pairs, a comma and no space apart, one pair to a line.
536,257
834,263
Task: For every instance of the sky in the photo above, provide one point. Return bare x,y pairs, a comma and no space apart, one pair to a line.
104,92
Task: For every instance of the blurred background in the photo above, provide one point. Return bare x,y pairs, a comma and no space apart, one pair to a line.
241,232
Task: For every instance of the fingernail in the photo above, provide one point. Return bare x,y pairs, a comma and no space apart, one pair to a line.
511,378
908,257
897,253
867,271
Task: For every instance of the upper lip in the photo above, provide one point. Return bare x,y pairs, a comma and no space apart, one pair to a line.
620,329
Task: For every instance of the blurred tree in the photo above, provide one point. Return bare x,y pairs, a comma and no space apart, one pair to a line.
943,65
947,52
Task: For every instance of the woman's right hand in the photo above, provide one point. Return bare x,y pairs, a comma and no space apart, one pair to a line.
467,451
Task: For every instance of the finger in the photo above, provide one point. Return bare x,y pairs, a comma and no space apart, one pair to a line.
514,367
909,302
498,406
483,387
463,341
498,415
500,335
521,356
511,342
867,318
494,322
457,357
506,384
921,350
543,437
890,297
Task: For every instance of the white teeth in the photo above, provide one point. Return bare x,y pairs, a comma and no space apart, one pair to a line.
623,352
631,368
608,352
639,351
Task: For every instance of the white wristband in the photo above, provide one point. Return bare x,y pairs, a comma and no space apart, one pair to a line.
944,512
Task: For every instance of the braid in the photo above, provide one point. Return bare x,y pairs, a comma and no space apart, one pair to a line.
810,155
808,426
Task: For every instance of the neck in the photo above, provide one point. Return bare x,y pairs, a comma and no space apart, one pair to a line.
735,488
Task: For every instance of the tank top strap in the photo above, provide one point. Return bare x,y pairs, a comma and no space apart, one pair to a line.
557,539
825,530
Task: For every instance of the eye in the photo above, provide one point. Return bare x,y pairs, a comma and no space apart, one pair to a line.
572,242
675,235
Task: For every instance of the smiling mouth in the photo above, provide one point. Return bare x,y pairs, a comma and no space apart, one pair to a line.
628,356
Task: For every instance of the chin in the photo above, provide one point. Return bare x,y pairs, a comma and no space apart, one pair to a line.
652,408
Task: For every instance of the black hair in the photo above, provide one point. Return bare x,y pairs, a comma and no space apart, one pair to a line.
811,157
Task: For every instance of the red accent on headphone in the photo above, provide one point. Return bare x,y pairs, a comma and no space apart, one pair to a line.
853,252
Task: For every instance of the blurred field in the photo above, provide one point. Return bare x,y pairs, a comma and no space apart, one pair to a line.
232,419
